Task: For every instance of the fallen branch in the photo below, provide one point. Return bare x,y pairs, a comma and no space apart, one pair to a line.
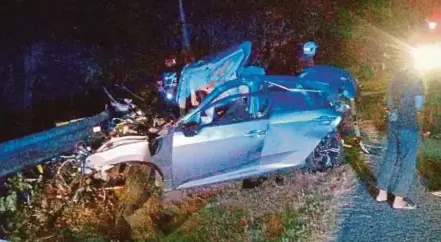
114,188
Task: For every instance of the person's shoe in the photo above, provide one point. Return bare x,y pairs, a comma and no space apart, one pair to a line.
437,193
380,198
407,204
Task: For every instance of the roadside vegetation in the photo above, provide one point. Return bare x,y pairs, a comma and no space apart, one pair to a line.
429,164
289,207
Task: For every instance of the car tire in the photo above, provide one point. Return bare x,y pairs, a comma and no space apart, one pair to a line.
328,154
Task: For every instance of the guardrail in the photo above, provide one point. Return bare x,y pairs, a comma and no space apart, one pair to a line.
34,149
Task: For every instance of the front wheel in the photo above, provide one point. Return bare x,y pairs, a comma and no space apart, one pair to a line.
327,154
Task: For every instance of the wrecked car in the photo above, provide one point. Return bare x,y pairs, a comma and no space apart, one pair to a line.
247,126
268,125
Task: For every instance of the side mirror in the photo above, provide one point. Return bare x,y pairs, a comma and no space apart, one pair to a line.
191,129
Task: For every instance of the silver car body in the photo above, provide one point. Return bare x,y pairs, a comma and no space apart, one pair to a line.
282,120
281,137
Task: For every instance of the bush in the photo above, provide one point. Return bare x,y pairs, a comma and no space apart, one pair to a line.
429,163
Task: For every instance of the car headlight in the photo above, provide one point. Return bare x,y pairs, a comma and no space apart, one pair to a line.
427,57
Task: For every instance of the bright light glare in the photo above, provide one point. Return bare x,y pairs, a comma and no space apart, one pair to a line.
169,95
432,25
427,57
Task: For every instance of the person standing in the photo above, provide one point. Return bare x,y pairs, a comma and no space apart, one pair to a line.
405,100
169,73
305,56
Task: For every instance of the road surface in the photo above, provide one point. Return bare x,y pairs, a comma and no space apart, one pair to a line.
366,220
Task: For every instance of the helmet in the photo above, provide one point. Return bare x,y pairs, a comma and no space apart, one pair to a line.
309,48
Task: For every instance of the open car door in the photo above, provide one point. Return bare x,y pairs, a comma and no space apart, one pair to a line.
221,67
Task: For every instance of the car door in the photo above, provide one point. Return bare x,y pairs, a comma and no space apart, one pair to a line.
225,144
287,125
297,122
323,120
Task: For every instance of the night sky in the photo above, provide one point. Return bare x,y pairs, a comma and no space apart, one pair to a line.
141,33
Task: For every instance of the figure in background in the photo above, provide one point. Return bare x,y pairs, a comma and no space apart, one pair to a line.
305,56
168,82
170,74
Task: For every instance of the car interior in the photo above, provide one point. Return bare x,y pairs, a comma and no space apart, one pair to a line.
233,105
230,106
238,104
299,101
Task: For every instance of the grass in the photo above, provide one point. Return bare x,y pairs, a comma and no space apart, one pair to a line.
222,223
358,164
304,208
429,163
372,108
213,221
374,86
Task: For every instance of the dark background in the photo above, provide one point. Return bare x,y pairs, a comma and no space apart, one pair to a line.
55,55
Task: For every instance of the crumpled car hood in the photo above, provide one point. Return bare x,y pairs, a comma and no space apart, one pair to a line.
120,141
116,150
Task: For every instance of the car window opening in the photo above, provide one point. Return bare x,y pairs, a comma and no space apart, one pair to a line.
231,105
297,101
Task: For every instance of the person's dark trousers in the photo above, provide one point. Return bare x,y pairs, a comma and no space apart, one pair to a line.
399,166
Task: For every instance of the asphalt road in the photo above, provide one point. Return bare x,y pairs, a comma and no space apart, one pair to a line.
363,219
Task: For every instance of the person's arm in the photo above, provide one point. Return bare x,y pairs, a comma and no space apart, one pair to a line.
419,95
391,109
389,103
194,100
419,101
